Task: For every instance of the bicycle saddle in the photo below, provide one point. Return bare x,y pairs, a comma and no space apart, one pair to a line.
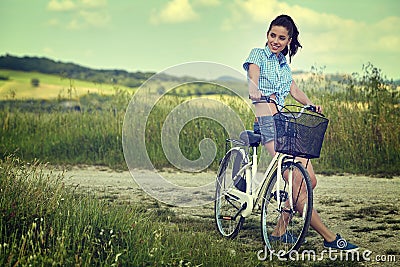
250,138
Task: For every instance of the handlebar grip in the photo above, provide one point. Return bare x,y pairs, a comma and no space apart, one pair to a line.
311,108
266,98
263,99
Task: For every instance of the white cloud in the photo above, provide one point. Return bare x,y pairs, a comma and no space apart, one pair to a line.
389,37
326,37
83,13
264,11
62,5
207,3
74,24
94,3
175,11
97,18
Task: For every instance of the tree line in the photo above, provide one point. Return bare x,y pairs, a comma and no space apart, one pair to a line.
73,71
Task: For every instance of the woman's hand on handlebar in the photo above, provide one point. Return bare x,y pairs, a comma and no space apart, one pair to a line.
314,108
318,109
255,94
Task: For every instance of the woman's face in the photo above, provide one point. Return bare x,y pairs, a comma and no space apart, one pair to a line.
278,39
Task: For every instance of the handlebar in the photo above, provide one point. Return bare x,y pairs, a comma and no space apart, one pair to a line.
267,99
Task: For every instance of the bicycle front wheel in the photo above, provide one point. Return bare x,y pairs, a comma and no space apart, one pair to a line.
286,209
226,208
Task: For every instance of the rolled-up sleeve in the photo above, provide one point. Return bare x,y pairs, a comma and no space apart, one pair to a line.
255,57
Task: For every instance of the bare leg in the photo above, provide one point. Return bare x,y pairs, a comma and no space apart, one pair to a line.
316,222
282,223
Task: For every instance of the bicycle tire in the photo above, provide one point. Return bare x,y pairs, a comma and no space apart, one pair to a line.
277,219
227,220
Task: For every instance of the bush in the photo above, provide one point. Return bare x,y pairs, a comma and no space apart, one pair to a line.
35,82
4,78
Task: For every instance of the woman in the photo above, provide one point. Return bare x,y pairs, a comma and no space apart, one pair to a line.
269,74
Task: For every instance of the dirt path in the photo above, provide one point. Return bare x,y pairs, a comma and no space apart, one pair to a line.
364,210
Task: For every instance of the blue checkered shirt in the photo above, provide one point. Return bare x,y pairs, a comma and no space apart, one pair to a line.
275,74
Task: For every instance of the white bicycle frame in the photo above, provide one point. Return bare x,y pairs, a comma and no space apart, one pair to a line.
247,199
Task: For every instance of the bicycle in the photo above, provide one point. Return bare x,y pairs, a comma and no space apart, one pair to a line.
284,196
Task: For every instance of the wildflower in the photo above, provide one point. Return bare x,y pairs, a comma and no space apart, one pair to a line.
117,256
232,252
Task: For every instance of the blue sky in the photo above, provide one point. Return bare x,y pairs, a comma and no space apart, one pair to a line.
155,35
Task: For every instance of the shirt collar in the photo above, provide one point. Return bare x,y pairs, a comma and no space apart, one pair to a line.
281,58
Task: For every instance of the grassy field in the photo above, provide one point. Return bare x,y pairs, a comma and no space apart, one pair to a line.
94,216
45,223
19,86
361,137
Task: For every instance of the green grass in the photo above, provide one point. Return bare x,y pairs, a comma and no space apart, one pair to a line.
68,137
43,222
362,135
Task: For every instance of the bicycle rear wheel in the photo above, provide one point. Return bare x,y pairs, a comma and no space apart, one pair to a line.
286,209
226,208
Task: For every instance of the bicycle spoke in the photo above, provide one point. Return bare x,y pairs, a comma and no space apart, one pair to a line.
282,230
227,209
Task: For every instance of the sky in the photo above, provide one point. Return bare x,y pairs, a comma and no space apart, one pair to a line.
338,36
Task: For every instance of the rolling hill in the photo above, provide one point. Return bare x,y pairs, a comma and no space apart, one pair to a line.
42,78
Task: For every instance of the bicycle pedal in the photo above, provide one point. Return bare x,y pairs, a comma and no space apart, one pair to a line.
283,195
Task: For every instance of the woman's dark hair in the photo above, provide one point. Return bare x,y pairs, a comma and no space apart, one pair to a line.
287,22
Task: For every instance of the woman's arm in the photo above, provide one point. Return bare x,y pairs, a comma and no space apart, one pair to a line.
301,97
253,74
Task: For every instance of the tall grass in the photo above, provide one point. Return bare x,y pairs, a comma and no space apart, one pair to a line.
45,223
362,136
197,129
364,122
65,137
92,136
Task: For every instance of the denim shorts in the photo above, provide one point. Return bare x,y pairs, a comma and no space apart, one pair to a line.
267,128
